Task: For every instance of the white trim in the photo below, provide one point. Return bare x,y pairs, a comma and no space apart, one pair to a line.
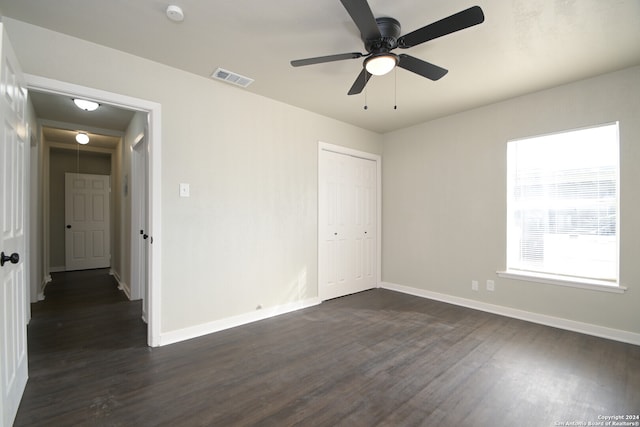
347,151
86,148
76,126
154,114
542,319
325,146
550,279
45,281
121,285
58,269
234,321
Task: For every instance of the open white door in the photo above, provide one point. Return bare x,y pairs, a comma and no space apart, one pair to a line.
13,301
87,237
140,238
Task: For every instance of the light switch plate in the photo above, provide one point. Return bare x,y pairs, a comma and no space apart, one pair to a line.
184,190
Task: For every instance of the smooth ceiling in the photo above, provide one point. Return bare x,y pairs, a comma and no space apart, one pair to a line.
523,46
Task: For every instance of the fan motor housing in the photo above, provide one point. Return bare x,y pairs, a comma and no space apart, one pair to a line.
389,30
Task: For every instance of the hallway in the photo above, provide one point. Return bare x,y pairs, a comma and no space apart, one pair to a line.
80,340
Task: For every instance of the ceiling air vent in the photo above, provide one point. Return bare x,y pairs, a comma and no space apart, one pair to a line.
230,77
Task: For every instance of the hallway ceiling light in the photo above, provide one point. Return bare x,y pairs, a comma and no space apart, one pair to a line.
83,104
82,138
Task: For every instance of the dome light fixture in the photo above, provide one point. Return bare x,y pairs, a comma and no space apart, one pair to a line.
85,105
82,138
380,64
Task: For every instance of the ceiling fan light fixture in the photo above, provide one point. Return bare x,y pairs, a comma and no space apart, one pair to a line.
82,138
85,105
381,63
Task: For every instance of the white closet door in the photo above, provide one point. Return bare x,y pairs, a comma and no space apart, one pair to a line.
347,224
364,227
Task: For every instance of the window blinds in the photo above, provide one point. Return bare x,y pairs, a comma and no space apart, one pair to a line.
562,202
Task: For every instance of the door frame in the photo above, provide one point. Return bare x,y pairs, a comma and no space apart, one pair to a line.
339,149
154,138
139,220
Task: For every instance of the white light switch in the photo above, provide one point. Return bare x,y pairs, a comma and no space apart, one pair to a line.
184,190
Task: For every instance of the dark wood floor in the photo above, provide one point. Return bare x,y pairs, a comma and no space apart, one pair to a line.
375,358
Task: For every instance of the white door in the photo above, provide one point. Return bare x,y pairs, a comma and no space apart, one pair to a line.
13,301
140,238
347,224
87,237
364,222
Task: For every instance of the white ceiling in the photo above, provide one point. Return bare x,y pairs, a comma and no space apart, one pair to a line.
523,46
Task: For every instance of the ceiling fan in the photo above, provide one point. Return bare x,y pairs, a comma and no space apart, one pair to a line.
382,35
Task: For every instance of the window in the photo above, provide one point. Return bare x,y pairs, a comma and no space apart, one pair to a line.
562,205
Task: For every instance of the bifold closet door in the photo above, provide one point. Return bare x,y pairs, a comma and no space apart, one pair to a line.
347,223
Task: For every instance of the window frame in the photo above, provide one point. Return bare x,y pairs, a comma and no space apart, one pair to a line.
554,278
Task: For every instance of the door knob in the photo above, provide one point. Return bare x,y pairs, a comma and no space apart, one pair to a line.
68,225
14,258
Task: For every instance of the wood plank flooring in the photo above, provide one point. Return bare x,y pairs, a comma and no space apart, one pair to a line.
377,358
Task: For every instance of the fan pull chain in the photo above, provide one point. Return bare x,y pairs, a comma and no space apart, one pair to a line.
365,93
395,89
77,159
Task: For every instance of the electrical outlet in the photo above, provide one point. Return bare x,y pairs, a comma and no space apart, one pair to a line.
491,285
474,285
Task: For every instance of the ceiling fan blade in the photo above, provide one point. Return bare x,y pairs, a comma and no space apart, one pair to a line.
328,58
423,68
363,17
456,22
360,83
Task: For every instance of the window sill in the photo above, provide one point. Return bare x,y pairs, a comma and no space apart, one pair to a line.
575,282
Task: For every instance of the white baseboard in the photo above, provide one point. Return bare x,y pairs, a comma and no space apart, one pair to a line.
231,322
123,286
58,269
45,281
543,319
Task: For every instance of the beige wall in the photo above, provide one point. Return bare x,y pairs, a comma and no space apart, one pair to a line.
444,203
62,161
247,236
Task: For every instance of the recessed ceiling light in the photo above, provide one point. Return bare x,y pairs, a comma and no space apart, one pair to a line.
175,13
82,138
83,104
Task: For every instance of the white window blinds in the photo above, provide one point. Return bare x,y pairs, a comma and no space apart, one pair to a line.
562,203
